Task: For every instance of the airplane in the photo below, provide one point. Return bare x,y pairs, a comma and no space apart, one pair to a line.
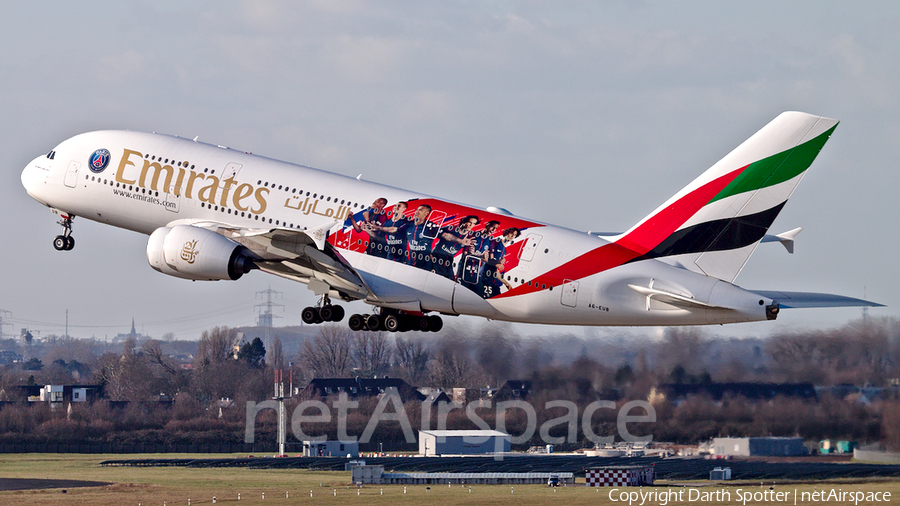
216,213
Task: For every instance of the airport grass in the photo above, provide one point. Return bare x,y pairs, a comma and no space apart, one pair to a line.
176,486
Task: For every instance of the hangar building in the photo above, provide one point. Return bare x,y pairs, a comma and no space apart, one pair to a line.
462,442
759,446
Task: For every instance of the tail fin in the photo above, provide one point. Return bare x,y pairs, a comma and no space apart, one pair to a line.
714,224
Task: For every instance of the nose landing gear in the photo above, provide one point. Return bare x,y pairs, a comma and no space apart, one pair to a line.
65,241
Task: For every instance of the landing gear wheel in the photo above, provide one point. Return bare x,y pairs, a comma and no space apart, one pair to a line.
392,323
330,313
435,324
357,322
60,242
70,243
310,315
373,322
423,324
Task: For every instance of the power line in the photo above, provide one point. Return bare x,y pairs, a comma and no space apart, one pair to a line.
183,319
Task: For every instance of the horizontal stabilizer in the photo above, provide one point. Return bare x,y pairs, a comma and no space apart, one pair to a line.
791,300
785,238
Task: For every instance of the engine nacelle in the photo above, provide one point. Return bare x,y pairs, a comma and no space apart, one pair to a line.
196,253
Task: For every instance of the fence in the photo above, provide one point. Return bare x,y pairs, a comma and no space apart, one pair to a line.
137,448
292,448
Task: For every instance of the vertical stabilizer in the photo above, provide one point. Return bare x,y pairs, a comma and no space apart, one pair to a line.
714,224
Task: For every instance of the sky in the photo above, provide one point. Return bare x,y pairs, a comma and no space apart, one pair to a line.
582,114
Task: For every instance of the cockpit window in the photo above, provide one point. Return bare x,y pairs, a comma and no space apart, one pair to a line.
51,155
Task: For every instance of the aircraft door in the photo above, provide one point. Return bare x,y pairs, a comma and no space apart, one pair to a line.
569,295
71,178
531,244
231,170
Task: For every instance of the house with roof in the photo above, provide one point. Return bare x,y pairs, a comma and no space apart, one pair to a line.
361,387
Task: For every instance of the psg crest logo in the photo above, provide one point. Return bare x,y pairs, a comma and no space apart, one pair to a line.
99,160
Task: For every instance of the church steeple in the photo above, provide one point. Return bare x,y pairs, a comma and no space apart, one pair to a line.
133,332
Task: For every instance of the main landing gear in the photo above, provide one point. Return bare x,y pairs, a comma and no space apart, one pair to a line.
326,312
393,320
65,242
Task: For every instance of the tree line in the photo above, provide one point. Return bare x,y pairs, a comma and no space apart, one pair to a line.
203,398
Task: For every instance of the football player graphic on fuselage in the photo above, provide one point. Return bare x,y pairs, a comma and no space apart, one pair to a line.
451,240
394,230
420,235
492,276
372,219
474,257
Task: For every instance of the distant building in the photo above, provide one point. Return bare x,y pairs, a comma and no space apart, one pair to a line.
434,396
827,446
462,442
513,390
466,395
720,474
361,387
236,345
331,449
133,334
759,446
9,357
52,393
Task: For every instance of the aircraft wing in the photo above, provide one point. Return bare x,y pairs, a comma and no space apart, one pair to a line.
300,255
792,300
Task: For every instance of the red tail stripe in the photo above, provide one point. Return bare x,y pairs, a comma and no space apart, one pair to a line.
662,224
638,242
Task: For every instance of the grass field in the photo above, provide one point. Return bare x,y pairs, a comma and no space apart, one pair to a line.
175,486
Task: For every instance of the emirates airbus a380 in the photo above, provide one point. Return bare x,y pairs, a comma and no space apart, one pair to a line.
214,213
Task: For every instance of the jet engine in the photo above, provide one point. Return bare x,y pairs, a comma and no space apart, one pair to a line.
196,253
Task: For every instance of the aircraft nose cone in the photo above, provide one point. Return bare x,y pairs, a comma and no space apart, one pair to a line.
33,178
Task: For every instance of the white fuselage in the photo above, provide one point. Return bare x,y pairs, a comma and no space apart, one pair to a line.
152,180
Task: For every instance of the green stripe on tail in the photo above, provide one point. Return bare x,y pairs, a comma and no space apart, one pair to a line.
777,168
